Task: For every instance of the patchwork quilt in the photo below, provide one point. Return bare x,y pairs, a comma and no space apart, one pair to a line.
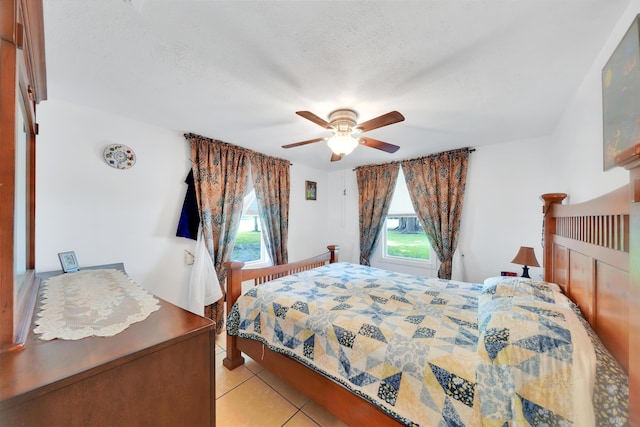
428,351
536,361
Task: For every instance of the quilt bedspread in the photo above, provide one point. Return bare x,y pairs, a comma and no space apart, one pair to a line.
387,336
536,361
416,347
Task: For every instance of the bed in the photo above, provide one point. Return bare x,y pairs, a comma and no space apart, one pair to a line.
586,253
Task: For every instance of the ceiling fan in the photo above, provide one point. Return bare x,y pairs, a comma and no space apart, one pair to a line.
343,123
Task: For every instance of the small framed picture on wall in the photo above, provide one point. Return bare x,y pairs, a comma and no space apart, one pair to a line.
310,190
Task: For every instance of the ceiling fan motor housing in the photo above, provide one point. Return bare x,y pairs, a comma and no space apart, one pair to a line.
343,121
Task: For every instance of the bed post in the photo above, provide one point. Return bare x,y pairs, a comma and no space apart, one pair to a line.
234,289
333,249
630,160
549,224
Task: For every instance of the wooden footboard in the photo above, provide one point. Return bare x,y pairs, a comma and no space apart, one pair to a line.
332,396
236,276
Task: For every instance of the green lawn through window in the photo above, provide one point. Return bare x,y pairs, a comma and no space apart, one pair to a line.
247,246
416,246
408,245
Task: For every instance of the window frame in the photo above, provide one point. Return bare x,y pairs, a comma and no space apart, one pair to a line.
410,262
265,259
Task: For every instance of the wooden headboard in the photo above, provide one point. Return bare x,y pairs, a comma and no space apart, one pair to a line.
592,250
586,252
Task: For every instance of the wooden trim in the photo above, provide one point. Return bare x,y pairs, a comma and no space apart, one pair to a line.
25,307
32,16
612,257
23,73
212,370
7,20
7,187
629,158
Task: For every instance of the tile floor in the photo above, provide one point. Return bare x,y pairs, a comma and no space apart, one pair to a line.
251,396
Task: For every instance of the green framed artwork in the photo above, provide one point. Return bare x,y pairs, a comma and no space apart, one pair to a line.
310,190
621,97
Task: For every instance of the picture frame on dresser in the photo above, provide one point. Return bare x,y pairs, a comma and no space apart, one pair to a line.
68,261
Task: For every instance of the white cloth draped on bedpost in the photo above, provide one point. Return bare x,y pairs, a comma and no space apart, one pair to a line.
204,287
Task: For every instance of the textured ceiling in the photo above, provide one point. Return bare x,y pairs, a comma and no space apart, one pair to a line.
463,73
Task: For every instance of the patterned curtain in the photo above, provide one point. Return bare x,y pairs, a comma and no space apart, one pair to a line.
272,187
220,175
436,185
375,190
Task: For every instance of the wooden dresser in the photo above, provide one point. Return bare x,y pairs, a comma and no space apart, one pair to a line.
158,372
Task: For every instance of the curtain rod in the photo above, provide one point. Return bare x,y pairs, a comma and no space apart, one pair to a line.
470,150
189,135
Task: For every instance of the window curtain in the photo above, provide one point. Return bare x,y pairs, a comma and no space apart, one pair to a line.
220,176
436,185
272,187
375,190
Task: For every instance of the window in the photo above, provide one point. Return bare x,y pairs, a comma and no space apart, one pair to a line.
403,239
249,246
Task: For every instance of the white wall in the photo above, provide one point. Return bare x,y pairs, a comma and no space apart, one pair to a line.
108,215
308,218
502,208
342,214
578,138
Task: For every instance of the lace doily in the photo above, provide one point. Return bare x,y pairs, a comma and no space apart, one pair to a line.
88,303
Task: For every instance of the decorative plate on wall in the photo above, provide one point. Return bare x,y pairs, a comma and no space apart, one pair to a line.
119,156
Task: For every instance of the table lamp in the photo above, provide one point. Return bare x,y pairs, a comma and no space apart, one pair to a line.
526,257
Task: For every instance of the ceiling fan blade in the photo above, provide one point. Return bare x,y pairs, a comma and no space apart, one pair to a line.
297,144
380,121
380,145
335,157
315,119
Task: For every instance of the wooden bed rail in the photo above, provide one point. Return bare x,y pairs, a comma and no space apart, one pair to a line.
236,276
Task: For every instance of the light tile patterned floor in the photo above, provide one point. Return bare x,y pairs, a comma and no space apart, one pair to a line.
251,396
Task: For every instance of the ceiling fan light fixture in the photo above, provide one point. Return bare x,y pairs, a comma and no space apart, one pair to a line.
346,131
342,144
